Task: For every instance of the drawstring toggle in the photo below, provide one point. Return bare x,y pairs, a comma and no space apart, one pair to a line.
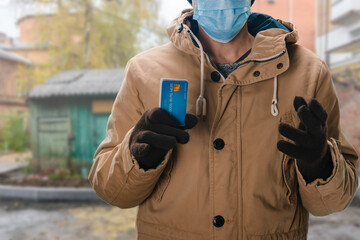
201,107
274,108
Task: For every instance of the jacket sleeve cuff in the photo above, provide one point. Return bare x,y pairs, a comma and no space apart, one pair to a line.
131,165
321,197
333,179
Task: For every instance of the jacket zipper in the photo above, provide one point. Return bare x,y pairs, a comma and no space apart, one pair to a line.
264,59
249,61
270,58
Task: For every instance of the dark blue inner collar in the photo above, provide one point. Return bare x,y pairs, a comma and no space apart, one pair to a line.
258,22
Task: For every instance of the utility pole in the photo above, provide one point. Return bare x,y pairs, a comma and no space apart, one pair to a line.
60,5
88,20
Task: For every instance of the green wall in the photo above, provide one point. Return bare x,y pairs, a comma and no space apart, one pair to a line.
89,130
64,131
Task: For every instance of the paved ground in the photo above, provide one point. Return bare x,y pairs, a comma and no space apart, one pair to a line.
96,221
65,221
339,226
13,161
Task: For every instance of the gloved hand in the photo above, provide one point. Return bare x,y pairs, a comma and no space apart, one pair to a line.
311,149
155,134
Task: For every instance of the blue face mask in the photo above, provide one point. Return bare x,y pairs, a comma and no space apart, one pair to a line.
222,20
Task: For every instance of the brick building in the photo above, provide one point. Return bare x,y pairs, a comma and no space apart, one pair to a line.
338,38
14,53
10,98
29,45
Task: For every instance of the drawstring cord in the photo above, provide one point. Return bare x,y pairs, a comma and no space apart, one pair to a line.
274,109
201,101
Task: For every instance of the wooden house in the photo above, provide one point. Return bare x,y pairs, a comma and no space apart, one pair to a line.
68,116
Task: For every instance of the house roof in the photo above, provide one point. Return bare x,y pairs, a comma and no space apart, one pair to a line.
26,46
80,82
13,57
17,45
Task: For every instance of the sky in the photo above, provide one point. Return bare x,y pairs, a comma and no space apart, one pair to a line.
8,14
7,19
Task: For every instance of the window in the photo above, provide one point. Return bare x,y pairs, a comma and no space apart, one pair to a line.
355,34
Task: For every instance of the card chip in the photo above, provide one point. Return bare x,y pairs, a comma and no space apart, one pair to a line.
176,87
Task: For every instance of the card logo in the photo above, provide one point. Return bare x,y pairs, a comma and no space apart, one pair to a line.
176,87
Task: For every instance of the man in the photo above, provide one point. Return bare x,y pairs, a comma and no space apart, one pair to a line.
266,151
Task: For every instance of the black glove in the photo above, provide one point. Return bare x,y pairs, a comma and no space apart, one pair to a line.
311,149
155,134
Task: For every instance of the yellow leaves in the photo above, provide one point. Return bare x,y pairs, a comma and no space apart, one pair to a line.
104,34
29,77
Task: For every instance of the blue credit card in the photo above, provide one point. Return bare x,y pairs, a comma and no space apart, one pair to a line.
173,98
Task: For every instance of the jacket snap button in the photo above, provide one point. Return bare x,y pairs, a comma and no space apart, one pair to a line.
280,66
219,144
215,76
218,221
256,74
180,28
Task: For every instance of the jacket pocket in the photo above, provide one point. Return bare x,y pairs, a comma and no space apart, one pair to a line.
289,177
163,181
288,166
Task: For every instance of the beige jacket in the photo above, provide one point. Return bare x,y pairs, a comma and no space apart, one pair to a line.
257,189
